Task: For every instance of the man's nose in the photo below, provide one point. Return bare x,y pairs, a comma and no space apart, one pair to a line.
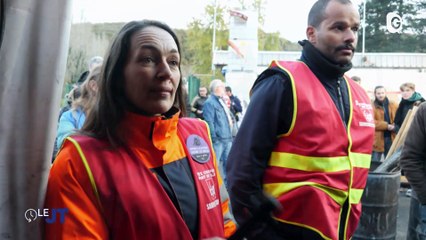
350,36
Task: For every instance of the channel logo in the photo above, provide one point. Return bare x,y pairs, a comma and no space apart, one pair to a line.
49,215
393,22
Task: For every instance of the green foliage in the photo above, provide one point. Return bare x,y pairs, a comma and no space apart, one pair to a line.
377,37
273,42
257,5
197,41
107,30
76,64
88,40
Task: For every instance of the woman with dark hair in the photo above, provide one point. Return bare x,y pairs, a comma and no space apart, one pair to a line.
139,169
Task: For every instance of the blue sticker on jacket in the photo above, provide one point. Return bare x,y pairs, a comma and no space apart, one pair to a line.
198,148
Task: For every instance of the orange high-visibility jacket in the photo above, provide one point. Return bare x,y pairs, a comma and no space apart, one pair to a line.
320,164
115,194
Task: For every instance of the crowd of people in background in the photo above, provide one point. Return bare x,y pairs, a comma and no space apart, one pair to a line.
126,118
390,115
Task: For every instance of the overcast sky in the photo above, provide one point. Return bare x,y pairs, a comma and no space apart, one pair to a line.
288,18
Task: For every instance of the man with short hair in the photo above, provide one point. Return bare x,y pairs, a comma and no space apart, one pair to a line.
307,136
384,115
198,102
356,79
218,117
236,108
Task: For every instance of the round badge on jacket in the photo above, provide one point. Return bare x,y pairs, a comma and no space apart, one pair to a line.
198,148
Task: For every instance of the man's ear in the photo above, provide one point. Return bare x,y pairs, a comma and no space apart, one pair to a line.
311,34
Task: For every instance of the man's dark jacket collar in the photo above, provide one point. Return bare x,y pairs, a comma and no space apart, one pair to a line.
320,64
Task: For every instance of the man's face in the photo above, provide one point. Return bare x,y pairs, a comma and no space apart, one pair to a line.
380,94
220,90
336,36
203,92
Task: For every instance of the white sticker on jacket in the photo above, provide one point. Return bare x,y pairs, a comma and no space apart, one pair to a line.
367,111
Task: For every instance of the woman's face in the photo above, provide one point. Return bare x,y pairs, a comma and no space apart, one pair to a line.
407,93
151,74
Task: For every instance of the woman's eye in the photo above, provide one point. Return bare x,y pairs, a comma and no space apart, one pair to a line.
147,60
174,63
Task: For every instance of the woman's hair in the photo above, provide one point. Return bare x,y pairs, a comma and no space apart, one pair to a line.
87,99
109,112
73,95
409,85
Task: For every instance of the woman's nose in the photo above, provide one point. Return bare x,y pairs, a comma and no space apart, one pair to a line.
164,70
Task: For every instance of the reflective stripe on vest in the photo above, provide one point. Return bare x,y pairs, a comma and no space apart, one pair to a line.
318,158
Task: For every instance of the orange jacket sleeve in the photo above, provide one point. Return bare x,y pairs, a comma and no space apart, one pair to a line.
229,223
69,187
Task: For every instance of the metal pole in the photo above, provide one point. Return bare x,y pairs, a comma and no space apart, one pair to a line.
214,35
363,29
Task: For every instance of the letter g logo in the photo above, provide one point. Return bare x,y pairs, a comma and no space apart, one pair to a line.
393,22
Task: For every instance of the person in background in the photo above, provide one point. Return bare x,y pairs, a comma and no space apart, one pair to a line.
218,116
73,119
384,114
307,136
92,64
410,98
413,162
236,108
138,169
198,102
70,97
356,79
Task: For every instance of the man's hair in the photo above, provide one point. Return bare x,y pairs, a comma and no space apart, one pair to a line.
378,87
228,89
409,85
317,13
214,84
104,119
356,79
